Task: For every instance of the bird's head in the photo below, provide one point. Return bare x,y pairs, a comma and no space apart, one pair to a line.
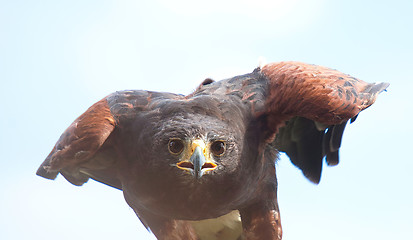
191,154
197,149
191,140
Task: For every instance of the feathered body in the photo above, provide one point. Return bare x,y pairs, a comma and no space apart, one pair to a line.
181,160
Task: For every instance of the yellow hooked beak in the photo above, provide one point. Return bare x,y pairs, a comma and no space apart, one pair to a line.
197,159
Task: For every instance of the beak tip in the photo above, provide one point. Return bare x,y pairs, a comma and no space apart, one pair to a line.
198,159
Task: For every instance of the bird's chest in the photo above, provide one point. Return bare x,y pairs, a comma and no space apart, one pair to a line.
178,199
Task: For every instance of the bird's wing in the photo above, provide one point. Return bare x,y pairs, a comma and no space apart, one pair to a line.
86,149
303,108
316,102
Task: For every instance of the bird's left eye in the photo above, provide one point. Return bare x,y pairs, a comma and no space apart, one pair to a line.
218,148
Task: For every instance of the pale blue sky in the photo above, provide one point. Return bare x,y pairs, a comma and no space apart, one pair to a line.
59,57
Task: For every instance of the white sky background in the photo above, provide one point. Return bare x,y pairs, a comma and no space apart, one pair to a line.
59,57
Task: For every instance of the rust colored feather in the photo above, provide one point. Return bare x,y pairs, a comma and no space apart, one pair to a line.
80,141
307,109
317,93
261,221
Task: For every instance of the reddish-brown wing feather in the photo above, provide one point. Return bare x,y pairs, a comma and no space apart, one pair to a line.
87,148
79,143
317,93
307,95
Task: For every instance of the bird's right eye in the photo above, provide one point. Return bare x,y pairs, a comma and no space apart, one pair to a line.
175,146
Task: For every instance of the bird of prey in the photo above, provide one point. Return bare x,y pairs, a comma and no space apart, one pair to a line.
202,166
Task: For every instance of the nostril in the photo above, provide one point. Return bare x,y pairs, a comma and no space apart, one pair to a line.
209,165
185,165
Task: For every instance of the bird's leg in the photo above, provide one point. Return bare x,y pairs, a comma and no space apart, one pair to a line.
174,230
164,228
261,220
169,229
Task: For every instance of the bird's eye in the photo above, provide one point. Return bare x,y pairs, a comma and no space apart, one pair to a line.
218,148
175,146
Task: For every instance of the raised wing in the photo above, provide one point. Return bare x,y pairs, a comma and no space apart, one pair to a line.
316,102
81,142
87,148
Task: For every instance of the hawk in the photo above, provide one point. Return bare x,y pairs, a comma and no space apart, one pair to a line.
202,166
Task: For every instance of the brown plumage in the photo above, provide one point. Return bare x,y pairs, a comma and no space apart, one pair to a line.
196,166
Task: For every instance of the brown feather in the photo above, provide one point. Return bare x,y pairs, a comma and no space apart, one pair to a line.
123,139
310,97
79,143
317,93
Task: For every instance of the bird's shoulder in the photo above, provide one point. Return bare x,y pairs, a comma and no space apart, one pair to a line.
246,91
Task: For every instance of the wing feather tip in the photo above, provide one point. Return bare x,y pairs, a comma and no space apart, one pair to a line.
314,178
382,86
44,171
